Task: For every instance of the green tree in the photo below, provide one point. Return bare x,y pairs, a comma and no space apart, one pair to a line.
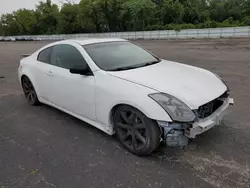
172,12
47,17
139,13
125,15
10,25
68,19
1,29
90,16
111,10
26,20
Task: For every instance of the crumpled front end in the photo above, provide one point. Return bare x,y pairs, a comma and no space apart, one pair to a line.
203,124
177,134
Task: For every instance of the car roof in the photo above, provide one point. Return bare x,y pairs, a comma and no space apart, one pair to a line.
85,41
82,41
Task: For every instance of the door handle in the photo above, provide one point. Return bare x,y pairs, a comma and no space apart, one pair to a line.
50,73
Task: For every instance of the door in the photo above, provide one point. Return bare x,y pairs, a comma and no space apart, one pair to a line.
43,74
72,92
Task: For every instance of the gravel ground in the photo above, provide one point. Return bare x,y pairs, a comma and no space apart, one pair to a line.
43,147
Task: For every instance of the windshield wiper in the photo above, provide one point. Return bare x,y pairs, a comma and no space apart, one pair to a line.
135,66
124,68
151,62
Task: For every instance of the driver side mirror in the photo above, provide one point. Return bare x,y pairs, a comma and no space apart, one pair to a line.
82,70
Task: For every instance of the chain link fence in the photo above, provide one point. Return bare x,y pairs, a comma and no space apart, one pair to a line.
160,34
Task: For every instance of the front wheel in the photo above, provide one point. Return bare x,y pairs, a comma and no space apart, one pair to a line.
137,133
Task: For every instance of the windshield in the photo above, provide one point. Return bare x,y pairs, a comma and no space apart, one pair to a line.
116,56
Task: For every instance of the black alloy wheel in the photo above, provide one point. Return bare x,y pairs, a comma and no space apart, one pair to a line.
29,91
137,133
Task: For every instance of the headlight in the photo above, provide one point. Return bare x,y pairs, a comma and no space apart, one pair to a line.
223,81
178,110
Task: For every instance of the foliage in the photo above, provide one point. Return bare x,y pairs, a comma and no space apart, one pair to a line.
125,15
68,19
47,15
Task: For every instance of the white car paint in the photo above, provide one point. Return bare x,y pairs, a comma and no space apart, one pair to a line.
92,98
192,85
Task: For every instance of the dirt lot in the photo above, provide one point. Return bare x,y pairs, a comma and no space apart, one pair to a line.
43,147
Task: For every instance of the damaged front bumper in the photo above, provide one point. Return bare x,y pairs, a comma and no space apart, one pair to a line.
177,134
202,125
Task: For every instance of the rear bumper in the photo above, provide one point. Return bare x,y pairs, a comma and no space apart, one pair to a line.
202,125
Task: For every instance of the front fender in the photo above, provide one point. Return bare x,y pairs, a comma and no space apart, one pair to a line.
111,91
152,111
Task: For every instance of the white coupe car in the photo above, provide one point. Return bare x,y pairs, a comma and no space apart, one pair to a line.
123,89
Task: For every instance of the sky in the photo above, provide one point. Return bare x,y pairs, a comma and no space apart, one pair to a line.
7,6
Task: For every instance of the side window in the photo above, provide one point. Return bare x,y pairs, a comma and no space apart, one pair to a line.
44,56
66,56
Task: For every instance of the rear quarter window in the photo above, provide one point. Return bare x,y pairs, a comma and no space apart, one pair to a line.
44,56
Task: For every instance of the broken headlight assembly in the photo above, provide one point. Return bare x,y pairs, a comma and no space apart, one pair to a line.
177,109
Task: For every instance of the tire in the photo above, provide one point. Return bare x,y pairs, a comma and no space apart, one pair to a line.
137,133
29,91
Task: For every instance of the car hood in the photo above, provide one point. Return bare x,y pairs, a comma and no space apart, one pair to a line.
192,85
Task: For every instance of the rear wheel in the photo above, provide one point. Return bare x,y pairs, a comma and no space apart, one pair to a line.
29,91
137,133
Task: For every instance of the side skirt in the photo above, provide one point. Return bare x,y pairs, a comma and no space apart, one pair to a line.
97,124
